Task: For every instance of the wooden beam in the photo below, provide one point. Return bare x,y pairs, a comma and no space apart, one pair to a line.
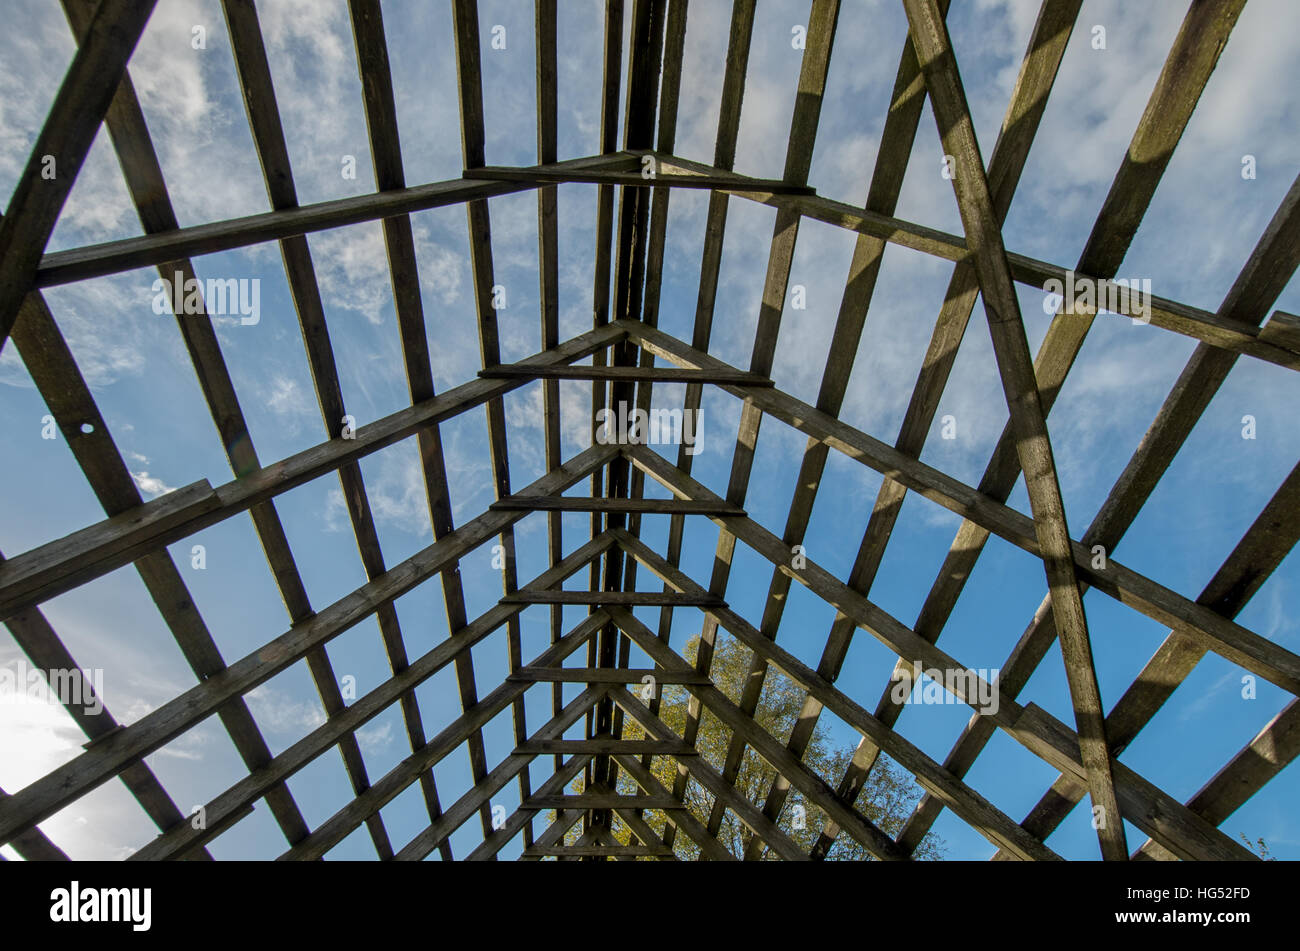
1259,761
596,799
128,254
610,675
605,746
623,374
636,179
105,45
568,503
340,825
564,774
602,851
628,598
1261,550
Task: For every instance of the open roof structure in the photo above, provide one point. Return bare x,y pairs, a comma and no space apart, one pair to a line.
600,551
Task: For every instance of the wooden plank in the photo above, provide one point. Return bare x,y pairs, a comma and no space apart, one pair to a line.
605,746
539,176
1266,272
148,192
564,774
697,767
105,44
1163,313
628,598
56,374
1283,330
602,851
1259,761
611,675
1261,550
739,39
601,800
798,160
128,254
38,574
568,503
623,374
710,848
34,846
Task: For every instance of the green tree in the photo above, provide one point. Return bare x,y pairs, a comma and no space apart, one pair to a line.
887,799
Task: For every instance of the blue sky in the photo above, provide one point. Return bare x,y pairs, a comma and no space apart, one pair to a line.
1194,239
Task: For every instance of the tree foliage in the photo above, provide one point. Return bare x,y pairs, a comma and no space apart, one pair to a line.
887,799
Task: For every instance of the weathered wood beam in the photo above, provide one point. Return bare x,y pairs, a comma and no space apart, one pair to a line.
597,799
564,774
1261,550
104,46
568,503
128,254
1261,280
710,848
815,65
603,851
781,759
739,39
622,374
254,74
605,746
609,675
635,179
628,598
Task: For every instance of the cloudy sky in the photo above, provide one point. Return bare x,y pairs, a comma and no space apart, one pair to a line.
1203,222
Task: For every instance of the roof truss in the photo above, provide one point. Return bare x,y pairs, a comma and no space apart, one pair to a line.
629,354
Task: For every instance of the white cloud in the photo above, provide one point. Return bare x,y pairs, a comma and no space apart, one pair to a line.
150,485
